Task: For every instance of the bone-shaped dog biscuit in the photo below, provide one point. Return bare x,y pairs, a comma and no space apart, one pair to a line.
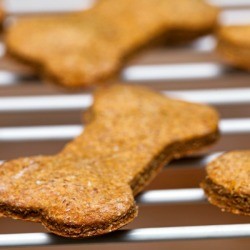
82,49
89,187
227,184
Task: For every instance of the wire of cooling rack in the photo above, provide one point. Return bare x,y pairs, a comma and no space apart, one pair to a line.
65,132
82,101
130,236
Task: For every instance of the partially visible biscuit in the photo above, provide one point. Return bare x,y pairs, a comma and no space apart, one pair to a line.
234,45
89,187
2,14
85,48
227,184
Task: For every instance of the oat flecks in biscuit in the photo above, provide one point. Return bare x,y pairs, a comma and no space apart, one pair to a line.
234,45
89,187
85,48
227,184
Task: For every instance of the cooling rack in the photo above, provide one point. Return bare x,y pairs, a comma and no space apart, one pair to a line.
192,73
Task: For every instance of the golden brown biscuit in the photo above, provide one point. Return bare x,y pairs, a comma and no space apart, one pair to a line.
89,187
85,48
227,184
234,45
2,14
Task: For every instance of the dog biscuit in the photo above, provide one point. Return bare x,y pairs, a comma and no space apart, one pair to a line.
85,48
89,187
227,184
234,45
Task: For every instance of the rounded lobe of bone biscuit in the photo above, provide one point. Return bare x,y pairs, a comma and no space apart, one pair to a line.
111,124
54,189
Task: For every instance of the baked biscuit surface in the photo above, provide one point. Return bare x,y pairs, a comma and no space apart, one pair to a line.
89,187
228,182
82,49
234,45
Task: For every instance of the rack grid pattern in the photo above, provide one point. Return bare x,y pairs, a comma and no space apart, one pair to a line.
194,68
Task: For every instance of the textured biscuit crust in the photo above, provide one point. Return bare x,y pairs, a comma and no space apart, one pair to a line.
89,187
227,184
234,45
82,49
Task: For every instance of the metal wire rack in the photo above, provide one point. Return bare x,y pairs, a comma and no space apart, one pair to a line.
191,73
